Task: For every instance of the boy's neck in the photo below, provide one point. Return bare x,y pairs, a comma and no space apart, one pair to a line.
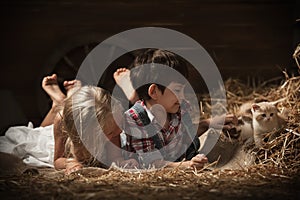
158,111
149,103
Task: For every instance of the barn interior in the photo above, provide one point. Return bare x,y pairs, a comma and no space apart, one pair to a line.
250,41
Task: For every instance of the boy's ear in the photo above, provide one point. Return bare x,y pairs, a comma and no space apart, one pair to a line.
152,91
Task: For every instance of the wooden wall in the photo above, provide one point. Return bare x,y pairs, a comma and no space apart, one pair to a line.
246,38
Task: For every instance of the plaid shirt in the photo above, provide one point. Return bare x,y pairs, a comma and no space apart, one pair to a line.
141,143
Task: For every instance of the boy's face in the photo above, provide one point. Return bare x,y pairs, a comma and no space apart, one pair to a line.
172,97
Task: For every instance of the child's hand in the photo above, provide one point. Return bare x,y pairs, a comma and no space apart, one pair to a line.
223,122
129,164
72,165
196,162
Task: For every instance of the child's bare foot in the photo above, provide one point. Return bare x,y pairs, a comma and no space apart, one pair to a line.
50,85
122,78
72,86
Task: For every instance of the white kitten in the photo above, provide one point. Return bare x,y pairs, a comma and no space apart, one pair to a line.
266,118
258,119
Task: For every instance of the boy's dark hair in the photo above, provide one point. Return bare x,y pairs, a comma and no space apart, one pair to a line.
139,74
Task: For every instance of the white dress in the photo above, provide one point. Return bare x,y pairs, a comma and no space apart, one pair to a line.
35,146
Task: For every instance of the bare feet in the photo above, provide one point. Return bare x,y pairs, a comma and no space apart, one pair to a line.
50,85
122,78
72,86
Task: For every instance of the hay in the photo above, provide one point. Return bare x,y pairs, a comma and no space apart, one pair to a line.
275,173
283,151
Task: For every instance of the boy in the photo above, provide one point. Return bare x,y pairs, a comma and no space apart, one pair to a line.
158,127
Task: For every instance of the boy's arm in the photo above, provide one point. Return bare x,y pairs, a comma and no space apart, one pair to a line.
202,127
218,122
196,162
144,147
150,155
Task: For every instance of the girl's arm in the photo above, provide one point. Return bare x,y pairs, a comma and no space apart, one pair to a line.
115,154
59,144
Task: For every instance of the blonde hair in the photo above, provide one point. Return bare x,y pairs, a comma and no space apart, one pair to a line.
84,116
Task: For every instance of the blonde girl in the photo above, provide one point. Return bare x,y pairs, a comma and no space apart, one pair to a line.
87,122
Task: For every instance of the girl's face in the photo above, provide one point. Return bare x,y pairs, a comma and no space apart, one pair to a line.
111,129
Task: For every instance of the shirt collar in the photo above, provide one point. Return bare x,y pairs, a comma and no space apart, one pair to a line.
150,115
184,107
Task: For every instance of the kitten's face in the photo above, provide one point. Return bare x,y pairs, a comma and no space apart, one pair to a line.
264,112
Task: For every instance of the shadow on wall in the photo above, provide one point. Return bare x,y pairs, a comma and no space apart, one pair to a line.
11,112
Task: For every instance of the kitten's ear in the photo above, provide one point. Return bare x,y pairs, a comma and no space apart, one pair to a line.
278,111
277,101
255,107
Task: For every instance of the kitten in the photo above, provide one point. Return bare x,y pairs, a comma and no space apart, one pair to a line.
258,119
245,127
266,118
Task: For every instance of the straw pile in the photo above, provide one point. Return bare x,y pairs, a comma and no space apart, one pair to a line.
283,152
275,173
